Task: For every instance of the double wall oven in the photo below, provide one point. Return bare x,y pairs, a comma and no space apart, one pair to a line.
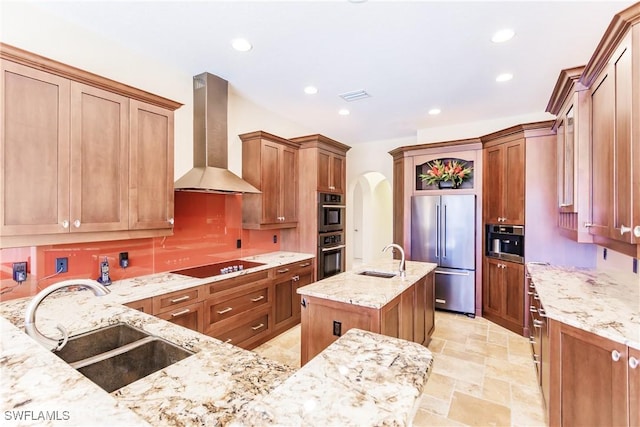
331,243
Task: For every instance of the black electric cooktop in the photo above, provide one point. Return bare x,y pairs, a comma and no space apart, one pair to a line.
218,268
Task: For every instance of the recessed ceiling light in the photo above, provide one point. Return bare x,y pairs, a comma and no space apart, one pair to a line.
503,35
310,90
434,111
504,77
344,112
241,45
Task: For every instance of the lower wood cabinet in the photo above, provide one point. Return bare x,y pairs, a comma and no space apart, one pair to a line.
189,316
248,330
408,316
287,302
143,305
594,381
182,307
503,299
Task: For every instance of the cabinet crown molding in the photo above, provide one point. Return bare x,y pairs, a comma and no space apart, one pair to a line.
568,82
29,59
321,141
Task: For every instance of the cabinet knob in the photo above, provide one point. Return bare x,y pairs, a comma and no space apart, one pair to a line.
587,225
171,221
76,223
633,362
624,229
636,231
65,224
615,355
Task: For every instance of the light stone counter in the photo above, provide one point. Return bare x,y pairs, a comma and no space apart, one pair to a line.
605,303
368,291
207,388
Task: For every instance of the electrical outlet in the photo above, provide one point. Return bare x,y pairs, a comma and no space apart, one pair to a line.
238,244
635,265
62,265
20,271
275,238
337,328
604,253
124,259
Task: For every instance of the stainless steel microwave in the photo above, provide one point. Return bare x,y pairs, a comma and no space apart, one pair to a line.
331,212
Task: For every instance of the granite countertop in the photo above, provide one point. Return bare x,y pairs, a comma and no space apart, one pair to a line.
368,291
207,388
605,303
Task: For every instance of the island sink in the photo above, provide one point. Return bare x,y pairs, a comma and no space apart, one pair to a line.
382,274
117,355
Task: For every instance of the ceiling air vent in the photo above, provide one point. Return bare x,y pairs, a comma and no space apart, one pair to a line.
354,95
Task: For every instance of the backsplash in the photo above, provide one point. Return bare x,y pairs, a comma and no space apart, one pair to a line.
608,259
207,229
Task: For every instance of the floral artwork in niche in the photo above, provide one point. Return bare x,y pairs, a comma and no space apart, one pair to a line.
451,173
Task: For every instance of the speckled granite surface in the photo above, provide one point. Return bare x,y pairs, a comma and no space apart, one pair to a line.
606,303
367,291
207,388
379,380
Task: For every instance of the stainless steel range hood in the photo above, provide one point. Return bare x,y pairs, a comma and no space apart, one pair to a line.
210,173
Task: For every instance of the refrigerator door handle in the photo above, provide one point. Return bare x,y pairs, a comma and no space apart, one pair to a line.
437,231
444,232
452,273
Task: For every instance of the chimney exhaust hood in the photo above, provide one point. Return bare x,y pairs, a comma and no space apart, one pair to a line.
210,173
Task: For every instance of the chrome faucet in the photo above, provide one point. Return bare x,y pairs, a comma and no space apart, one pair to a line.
401,268
30,314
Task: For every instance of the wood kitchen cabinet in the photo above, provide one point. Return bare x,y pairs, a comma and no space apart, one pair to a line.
270,164
634,386
144,305
504,182
67,166
570,103
287,302
503,299
151,200
592,382
331,172
182,307
424,310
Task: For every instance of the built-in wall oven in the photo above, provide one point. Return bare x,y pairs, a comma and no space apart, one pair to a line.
331,212
505,242
331,250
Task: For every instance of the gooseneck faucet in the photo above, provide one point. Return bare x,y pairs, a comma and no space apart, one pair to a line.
401,268
30,314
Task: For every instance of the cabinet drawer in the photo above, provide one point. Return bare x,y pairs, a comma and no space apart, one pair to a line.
190,317
173,300
238,303
243,279
143,305
246,330
290,270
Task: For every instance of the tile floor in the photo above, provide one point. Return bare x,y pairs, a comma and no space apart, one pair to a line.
482,374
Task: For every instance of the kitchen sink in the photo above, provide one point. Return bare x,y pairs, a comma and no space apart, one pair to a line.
118,355
382,274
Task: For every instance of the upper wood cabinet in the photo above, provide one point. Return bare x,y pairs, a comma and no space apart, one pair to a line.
571,104
331,172
79,159
504,182
151,198
326,160
270,164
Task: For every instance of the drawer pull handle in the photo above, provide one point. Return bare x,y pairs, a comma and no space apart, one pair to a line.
295,278
284,270
615,355
228,340
184,298
541,312
255,328
306,264
530,293
532,340
225,310
256,299
633,362
533,309
180,313
537,323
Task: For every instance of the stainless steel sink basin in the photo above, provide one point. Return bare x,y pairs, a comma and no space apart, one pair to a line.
382,274
118,355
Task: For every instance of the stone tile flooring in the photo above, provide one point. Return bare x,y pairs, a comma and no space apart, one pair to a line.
482,374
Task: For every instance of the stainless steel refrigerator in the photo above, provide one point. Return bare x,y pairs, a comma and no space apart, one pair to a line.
443,232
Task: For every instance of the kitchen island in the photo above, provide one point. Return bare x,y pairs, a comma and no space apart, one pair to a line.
217,385
380,301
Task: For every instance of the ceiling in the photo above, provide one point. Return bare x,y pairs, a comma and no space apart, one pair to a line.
410,56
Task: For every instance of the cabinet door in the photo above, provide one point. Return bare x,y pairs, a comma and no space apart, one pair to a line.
492,288
324,171
151,167
283,301
513,182
602,134
634,387
623,147
592,386
493,184
288,209
99,159
34,180
270,182
188,317
420,312
514,293
338,173
305,277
